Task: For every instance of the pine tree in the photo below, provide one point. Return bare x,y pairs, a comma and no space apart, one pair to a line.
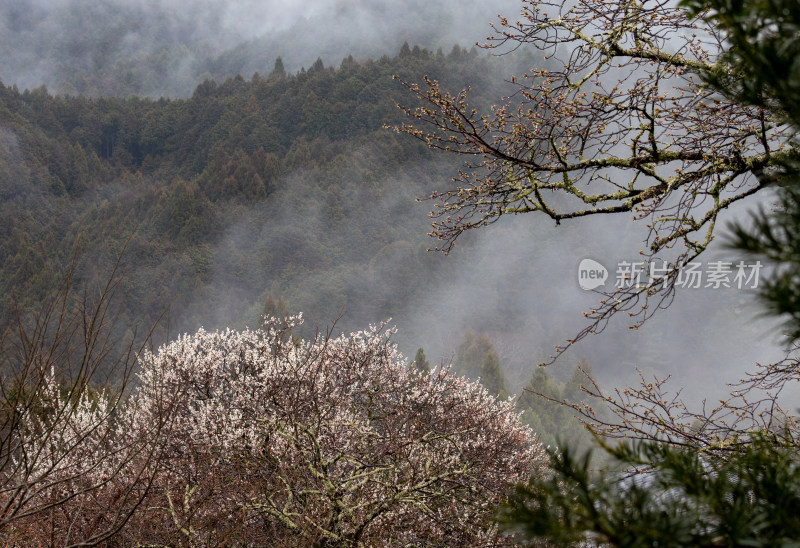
278,71
420,363
275,309
348,63
677,497
541,397
470,354
492,375
318,66
476,357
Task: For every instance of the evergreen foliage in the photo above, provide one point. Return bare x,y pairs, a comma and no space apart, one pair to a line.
760,67
278,71
492,375
665,497
476,358
255,186
546,407
420,362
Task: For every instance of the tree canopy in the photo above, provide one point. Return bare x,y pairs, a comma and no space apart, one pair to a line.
662,496
267,439
288,159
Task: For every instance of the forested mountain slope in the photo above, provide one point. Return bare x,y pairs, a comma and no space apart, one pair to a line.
287,186
284,184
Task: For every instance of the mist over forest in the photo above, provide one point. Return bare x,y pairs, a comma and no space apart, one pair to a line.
247,185
337,273
165,48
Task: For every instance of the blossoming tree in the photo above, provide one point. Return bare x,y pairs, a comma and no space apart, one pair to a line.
333,442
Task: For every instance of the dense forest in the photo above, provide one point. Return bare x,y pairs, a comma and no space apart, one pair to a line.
250,185
282,193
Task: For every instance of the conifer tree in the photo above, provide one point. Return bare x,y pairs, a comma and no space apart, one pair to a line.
541,398
476,358
470,354
492,375
420,363
318,65
278,71
669,497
